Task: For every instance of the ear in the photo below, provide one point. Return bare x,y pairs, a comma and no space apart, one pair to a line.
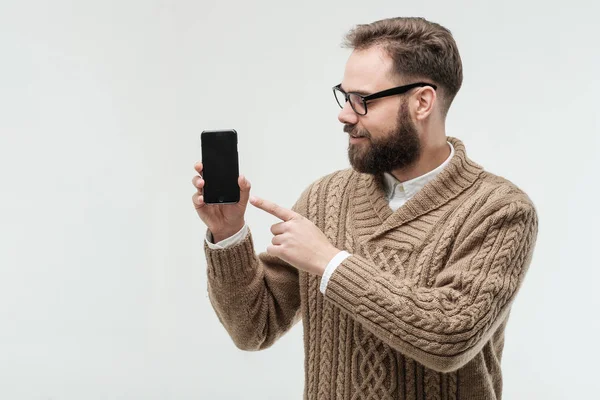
424,101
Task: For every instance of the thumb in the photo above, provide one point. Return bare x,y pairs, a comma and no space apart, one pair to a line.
244,189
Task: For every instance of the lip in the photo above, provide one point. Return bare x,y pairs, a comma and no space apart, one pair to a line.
357,139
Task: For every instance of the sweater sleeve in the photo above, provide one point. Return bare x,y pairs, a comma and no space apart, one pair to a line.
255,297
445,323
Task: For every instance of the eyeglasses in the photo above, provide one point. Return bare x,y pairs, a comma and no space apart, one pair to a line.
358,102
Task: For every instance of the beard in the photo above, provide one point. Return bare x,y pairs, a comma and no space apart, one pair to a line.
397,149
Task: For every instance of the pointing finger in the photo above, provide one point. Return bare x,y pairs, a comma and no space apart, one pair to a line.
282,213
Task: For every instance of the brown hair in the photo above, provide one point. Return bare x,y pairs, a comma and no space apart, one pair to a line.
419,49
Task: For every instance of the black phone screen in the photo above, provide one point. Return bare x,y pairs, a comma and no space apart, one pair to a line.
220,167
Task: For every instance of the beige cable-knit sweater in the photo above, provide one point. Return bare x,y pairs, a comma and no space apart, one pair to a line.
419,309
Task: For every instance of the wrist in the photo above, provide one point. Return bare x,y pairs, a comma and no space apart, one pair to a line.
222,234
329,255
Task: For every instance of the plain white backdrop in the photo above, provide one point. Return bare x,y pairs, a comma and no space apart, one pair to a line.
102,274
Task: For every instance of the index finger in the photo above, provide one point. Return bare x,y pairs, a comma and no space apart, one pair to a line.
198,167
282,213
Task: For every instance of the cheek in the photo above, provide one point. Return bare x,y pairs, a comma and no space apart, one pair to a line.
380,121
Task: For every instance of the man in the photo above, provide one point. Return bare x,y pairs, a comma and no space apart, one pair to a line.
402,268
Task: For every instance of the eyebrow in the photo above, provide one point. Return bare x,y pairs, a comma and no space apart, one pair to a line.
361,92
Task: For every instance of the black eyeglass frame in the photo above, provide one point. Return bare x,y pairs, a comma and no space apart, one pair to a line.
378,95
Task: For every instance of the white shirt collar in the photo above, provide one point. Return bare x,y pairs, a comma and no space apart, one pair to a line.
393,187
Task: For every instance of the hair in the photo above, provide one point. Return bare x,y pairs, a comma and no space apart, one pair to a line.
418,48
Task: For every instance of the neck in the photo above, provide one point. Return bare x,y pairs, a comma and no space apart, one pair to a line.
433,154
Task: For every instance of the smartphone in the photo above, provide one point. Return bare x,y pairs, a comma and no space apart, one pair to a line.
220,166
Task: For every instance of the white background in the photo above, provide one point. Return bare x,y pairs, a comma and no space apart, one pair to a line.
102,272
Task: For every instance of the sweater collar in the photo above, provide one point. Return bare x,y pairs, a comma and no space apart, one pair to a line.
458,174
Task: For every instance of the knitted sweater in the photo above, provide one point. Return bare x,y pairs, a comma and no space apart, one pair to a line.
418,311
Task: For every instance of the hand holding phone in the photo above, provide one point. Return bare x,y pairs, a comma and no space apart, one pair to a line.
222,195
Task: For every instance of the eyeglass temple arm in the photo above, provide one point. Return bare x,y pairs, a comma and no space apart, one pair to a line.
399,90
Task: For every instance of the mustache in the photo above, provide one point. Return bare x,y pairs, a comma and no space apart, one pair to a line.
355,130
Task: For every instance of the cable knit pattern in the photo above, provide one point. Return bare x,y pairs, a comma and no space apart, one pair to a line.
313,292
418,311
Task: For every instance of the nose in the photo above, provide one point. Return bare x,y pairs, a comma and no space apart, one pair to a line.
347,115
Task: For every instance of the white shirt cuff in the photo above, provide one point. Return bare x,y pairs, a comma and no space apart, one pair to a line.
230,241
333,264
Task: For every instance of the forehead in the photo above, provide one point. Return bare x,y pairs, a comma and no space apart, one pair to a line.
368,71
